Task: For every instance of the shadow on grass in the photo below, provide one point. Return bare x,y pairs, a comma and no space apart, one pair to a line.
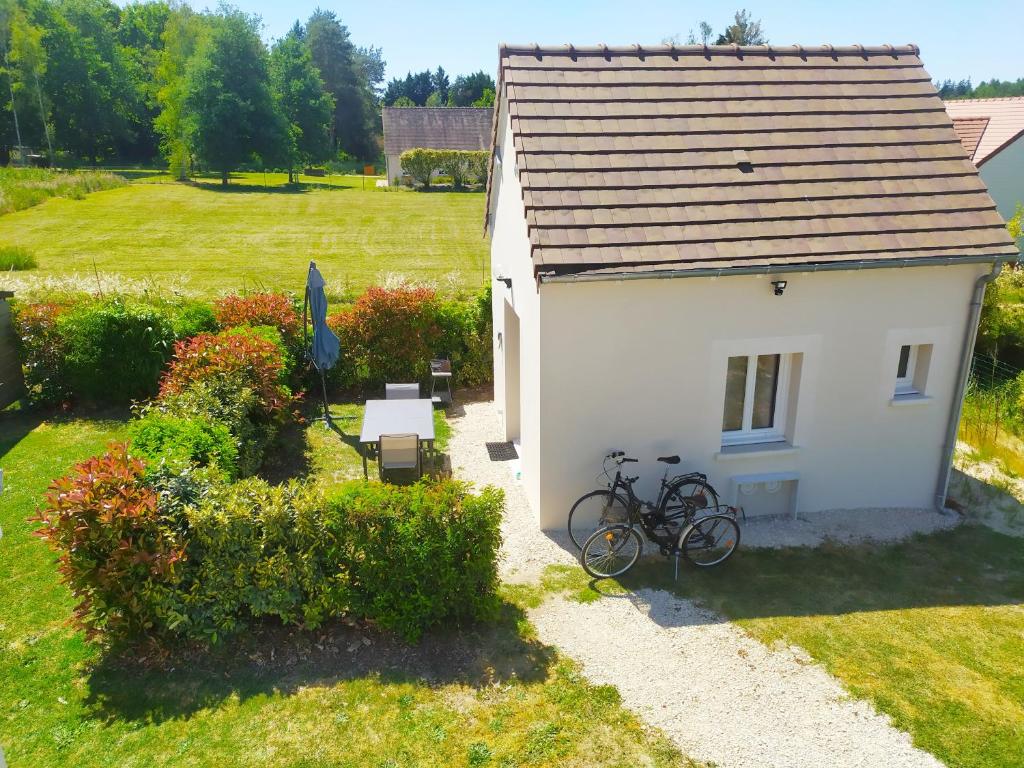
966,565
275,660
300,187
18,421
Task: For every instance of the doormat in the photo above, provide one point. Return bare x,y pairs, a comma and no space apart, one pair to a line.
501,451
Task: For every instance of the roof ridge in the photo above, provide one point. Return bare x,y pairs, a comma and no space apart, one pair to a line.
636,49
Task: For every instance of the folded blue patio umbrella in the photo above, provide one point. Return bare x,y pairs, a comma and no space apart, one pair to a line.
324,349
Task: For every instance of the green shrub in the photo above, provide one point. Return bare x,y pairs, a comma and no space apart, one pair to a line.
190,318
114,350
231,403
466,328
15,258
420,164
417,557
203,442
161,556
42,351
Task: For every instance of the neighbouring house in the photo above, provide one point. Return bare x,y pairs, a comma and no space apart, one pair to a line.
992,132
769,260
433,128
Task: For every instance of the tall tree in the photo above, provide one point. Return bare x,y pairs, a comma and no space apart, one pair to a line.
345,74
30,59
301,98
743,31
8,12
183,32
468,88
441,84
140,33
231,112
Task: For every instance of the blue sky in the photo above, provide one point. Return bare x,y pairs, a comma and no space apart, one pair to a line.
957,39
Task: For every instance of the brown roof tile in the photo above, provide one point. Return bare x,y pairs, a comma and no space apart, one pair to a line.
436,128
681,158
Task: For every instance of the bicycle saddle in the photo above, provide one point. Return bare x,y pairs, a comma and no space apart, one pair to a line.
669,459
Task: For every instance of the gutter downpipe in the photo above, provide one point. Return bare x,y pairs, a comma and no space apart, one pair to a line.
957,406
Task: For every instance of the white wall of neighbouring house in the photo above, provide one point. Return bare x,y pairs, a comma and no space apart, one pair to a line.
517,318
640,365
394,167
1003,174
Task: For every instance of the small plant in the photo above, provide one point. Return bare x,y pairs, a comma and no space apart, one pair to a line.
14,258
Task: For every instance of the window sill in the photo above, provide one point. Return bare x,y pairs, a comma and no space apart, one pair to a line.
899,401
756,450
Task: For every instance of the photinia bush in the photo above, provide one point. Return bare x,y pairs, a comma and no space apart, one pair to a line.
274,309
203,442
118,554
243,358
389,335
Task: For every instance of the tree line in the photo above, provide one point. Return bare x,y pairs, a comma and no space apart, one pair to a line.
435,89
88,81
986,89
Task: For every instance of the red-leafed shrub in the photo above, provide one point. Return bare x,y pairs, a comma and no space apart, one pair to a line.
120,557
43,350
242,359
274,309
389,335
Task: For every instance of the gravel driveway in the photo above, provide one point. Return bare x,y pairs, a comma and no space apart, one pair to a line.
720,695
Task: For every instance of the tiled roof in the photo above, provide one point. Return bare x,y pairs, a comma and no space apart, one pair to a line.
969,130
1005,122
671,158
436,128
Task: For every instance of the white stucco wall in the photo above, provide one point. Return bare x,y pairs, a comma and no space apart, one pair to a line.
1003,174
640,366
394,167
510,258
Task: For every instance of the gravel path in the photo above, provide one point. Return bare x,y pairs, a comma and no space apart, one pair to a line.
720,695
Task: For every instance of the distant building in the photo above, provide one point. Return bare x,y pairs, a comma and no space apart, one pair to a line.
992,132
433,128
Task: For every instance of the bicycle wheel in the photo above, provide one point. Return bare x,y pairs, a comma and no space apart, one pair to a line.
684,502
611,551
710,540
595,510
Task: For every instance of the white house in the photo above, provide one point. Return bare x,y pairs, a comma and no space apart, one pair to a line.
432,128
992,132
767,260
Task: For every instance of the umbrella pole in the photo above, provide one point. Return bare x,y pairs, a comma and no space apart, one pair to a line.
323,389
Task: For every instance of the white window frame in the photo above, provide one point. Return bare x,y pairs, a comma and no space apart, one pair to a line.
747,435
905,384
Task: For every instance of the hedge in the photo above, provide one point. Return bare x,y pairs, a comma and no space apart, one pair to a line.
459,164
163,557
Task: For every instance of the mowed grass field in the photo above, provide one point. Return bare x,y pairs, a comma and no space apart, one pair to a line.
248,235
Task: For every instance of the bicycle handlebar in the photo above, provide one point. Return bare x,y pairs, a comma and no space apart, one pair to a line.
629,461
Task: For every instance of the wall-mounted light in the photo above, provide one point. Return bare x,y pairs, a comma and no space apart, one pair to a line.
779,286
506,280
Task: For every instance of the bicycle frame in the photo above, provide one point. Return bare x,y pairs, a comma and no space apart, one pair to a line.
656,510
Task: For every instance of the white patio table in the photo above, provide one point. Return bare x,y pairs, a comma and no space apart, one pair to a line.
396,417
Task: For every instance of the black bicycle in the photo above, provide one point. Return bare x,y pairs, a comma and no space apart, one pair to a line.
672,522
679,498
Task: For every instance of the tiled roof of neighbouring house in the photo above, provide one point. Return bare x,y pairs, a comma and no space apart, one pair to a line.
669,158
969,130
1005,123
436,128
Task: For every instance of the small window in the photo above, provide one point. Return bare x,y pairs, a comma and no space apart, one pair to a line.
755,400
911,369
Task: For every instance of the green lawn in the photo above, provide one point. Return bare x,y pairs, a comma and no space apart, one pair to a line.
248,236
930,630
490,696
